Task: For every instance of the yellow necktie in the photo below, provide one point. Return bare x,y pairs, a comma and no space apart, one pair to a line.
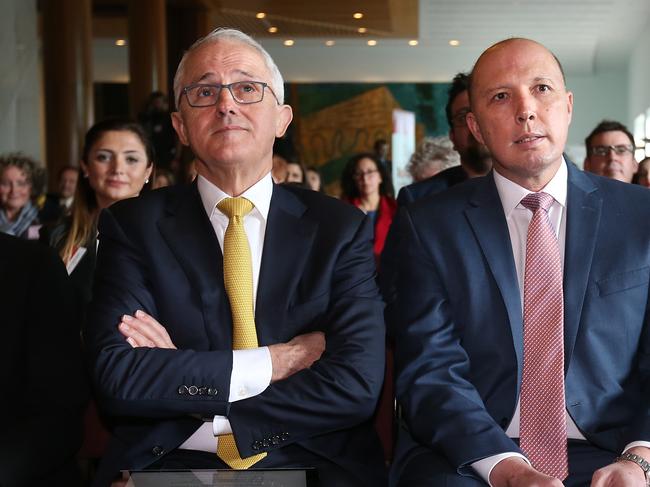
238,279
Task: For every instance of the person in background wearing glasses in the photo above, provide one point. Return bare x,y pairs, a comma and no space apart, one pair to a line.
610,152
365,184
164,336
474,157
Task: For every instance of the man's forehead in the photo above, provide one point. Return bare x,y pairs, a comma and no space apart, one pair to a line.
518,60
611,134
225,57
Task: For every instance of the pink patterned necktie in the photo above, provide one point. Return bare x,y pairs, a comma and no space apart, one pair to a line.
543,414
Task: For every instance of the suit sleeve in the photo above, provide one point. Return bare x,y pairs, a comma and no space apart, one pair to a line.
341,389
144,382
442,408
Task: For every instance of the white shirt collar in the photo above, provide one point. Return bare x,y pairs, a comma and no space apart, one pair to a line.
511,193
259,194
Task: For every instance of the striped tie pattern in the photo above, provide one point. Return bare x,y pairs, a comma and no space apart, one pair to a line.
238,280
543,416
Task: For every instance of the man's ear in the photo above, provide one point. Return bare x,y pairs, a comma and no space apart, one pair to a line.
473,126
285,115
179,126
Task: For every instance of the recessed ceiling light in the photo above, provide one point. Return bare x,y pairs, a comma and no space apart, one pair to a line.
288,42
273,30
372,42
260,15
357,15
454,42
362,30
120,42
329,43
413,43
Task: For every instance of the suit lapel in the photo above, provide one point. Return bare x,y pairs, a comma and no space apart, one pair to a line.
190,236
488,222
584,206
287,245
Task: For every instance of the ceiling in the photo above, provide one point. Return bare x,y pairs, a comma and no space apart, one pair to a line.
588,36
331,19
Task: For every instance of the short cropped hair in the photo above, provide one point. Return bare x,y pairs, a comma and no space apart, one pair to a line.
276,82
608,126
459,84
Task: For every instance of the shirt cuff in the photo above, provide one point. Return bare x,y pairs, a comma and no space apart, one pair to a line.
221,426
251,373
637,443
484,466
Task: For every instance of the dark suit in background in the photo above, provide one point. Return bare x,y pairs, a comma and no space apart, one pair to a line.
159,253
41,371
435,184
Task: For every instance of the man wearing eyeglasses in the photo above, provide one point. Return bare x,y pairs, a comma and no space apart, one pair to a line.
610,152
236,323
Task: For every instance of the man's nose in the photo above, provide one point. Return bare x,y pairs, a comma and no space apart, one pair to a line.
526,110
225,102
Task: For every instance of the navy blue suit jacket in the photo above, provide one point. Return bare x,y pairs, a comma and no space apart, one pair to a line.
459,335
159,253
435,184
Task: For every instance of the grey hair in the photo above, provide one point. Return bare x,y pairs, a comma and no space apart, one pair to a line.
433,152
221,33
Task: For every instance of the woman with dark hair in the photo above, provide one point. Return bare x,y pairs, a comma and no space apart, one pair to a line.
117,162
18,212
365,184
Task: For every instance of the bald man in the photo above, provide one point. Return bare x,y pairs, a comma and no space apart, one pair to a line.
487,312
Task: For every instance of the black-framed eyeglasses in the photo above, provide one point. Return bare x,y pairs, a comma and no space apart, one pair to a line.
243,92
603,150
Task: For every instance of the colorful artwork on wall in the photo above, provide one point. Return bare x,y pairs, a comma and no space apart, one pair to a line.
333,121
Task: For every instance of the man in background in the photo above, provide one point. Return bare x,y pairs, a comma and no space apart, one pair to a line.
610,151
474,156
59,203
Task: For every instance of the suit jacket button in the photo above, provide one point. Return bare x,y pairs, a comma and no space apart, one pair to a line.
158,450
212,391
193,390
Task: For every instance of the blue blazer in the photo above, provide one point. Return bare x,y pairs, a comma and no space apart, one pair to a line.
159,253
435,184
459,329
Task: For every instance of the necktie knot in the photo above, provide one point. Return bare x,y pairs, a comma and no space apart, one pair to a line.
534,201
233,207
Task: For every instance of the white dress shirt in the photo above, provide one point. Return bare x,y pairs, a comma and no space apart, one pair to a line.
251,368
518,218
